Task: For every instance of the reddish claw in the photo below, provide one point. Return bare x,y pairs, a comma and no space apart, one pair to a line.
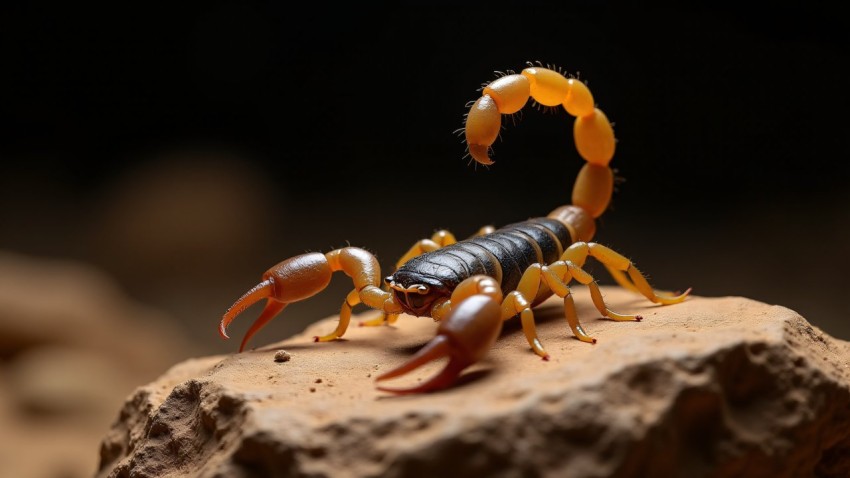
465,336
289,281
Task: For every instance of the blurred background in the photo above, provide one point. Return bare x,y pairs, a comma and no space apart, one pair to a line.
159,159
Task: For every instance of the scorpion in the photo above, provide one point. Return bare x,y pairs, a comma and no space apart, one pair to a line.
471,286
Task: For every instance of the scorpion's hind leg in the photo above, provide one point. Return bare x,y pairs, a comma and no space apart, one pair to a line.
304,276
620,266
623,281
556,276
465,335
565,271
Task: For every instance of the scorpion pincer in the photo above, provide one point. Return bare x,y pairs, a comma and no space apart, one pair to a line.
472,286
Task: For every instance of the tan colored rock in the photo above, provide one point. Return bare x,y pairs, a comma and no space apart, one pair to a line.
711,387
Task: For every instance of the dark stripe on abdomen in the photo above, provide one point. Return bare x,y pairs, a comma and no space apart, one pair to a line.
521,251
505,254
557,228
545,239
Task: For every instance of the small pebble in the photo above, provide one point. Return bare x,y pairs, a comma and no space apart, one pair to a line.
282,356
312,389
318,380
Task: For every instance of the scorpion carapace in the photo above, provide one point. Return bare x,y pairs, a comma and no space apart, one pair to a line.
472,286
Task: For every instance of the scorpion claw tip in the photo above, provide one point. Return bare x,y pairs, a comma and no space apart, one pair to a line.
439,347
546,357
480,153
222,331
593,341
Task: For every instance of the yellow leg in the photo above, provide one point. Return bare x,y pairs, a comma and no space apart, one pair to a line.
441,238
515,303
352,299
557,277
619,264
519,302
484,231
383,319
621,279
572,320
562,272
365,272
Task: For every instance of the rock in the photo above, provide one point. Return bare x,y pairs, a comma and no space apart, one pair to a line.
710,387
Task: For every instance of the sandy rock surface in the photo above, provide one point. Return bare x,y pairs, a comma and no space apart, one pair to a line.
711,387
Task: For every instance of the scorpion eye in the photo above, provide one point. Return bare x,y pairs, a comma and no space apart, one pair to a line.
388,279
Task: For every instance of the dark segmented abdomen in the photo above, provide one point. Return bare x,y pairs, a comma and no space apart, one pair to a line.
506,252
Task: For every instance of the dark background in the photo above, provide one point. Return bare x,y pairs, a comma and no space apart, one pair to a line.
185,149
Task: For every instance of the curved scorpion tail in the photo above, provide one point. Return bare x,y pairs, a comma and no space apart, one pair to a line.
594,136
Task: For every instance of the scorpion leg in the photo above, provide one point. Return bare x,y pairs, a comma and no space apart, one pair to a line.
465,335
304,276
352,299
520,301
615,261
556,276
441,238
623,281
484,231
565,271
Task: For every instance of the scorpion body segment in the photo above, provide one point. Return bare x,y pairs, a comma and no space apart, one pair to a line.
471,286
503,254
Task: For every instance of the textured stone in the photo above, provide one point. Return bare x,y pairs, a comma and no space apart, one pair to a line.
711,387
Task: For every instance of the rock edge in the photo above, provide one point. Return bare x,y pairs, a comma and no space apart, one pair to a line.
711,387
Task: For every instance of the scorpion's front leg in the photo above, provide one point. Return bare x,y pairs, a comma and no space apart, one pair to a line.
465,335
306,275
